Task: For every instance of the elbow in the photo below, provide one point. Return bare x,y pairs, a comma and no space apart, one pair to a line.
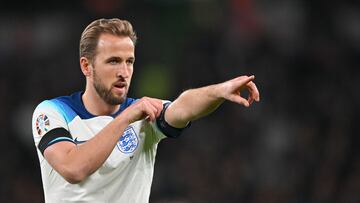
74,175
73,179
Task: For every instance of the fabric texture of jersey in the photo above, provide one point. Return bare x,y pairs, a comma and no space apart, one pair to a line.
126,175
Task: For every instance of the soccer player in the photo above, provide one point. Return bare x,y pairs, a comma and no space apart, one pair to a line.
99,145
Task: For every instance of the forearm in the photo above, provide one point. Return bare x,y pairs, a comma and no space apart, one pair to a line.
78,162
94,153
194,104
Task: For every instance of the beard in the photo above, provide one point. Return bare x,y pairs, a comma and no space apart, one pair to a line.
105,93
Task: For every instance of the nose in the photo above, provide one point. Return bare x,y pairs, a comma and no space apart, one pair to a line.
123,70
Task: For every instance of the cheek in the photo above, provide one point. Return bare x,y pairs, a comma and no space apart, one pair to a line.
103,76
131,72
108,71
130,76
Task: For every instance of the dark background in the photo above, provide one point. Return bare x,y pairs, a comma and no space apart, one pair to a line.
298,145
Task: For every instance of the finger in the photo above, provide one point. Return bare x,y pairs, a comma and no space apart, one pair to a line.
250,96
254,92
240,100
250,99
243,80
150,115
157,104
151,111
246,81
147,110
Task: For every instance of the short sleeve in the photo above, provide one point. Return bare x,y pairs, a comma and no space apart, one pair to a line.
46,117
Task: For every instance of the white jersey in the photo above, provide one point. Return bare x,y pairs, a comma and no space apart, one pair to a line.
126,175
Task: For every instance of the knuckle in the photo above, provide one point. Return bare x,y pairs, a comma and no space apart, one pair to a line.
144,98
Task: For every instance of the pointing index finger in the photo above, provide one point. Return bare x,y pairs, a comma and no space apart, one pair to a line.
245,79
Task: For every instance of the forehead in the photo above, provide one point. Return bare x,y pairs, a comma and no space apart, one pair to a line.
115,45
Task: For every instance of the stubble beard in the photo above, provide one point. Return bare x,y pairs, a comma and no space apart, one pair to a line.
106,94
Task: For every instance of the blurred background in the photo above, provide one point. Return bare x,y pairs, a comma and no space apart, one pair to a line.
298,145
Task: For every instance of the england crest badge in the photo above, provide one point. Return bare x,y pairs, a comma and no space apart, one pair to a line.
129,141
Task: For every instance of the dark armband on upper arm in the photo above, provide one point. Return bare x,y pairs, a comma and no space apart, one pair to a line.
54,136
166,128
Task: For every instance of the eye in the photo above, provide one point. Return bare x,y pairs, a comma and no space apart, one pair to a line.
113,62
130,62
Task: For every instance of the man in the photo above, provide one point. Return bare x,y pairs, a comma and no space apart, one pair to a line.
99,145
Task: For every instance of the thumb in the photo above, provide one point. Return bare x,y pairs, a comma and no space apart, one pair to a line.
240,100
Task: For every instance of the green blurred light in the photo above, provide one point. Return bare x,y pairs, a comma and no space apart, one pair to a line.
155,81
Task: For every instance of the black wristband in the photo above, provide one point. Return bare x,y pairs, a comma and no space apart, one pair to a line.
167,129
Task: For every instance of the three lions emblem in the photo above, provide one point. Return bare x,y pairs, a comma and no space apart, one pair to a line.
129,141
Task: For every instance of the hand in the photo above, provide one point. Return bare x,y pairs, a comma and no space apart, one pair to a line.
231,90
146,107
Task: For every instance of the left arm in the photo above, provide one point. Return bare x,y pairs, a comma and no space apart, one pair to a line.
196,103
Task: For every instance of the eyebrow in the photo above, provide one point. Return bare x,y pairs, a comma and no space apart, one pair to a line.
118,58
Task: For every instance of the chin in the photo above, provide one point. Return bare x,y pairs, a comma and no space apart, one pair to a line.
121,100
118,99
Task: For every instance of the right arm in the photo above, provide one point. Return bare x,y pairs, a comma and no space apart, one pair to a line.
76,162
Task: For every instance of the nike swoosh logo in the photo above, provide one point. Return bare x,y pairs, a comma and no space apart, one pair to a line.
79,141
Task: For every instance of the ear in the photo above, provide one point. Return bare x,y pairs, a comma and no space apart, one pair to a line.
86,66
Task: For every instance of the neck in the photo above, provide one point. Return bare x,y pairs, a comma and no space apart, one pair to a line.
95,105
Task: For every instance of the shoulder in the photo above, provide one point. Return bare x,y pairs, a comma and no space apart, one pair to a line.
129,101
64,106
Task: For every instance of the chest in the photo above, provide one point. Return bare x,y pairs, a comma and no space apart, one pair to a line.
138,139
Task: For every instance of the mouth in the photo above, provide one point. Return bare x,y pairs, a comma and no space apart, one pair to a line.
120,86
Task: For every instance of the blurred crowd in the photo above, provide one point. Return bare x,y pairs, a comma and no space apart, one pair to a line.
298,145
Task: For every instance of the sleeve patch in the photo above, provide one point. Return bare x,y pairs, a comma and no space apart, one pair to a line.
42,124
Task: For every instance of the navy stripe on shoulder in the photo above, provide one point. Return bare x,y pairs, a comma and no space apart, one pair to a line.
74,105
74,102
